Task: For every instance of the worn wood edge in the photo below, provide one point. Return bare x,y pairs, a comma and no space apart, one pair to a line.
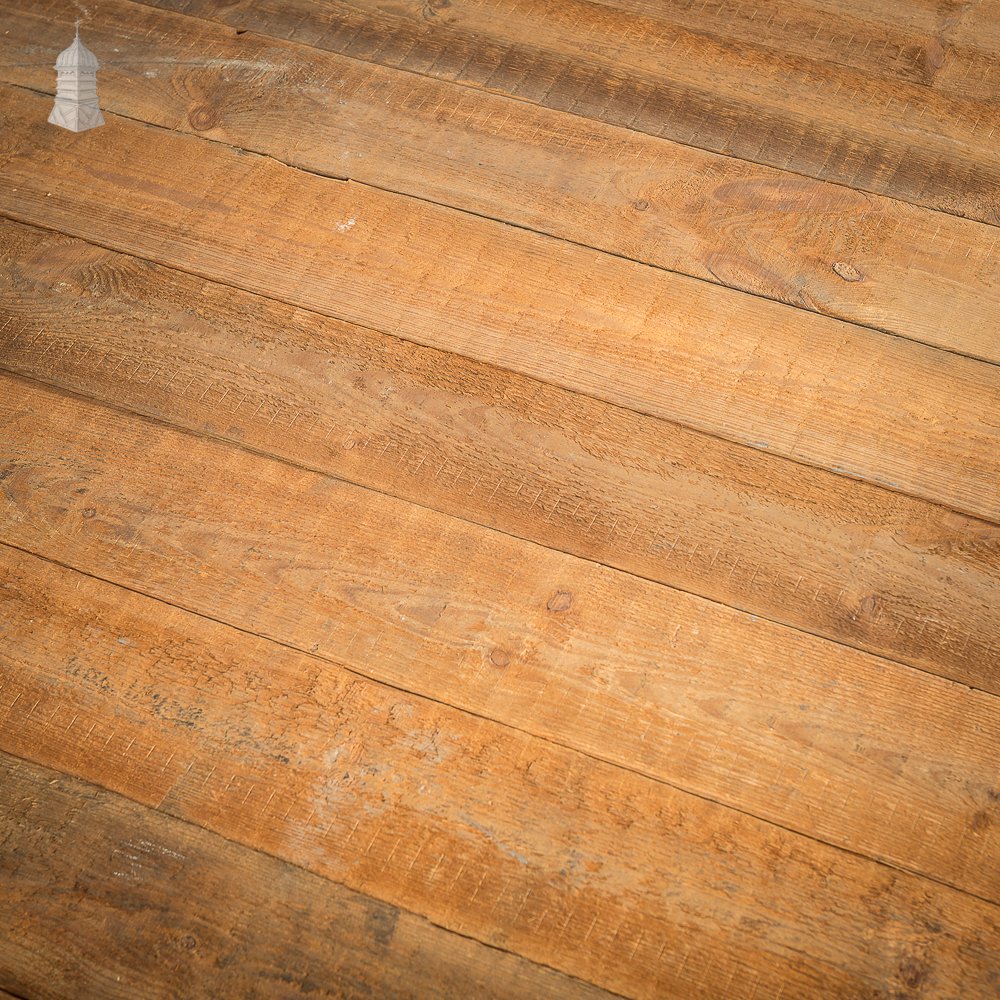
640,391
932,907
386,37
288,382
203,119
184,875
647,739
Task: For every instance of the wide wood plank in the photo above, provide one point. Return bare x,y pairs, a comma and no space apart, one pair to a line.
864,404
867,259
748,100
774,722
952,48
142,905
874,569
483,829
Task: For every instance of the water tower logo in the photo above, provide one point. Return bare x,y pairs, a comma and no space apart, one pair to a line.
76,88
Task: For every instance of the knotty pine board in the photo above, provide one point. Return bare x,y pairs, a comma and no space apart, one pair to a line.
819,246
777,723
750,101
758,372
484,829
952,48
106,897
871,568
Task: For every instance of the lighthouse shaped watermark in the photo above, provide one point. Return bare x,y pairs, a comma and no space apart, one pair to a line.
76,88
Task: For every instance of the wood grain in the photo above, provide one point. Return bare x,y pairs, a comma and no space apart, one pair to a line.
950,47
855,563
752,101
485,830
822,247
864,404
776,723
144,905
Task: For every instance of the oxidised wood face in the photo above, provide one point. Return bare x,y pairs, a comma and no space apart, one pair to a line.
501,499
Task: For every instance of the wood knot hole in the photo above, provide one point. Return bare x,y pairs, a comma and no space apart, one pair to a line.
560,601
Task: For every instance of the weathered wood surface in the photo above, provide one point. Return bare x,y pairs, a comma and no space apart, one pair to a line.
819,246
755,102
103,897
855,563
754,371
779,724
951,47
484,829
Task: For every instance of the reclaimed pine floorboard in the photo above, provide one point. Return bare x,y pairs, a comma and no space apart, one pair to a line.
501,498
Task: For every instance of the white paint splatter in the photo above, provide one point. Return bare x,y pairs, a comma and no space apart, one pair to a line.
345,226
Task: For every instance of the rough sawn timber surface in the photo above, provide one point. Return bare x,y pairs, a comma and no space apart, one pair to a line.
856,563
483,829
780,724
865,404
749,101
146,906
823,247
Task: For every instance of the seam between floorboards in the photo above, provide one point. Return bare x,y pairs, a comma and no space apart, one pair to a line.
243,845
524,100
550,740
533,377
611,567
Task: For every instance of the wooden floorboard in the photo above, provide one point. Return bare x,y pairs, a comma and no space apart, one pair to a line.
146,906
776,723
855,563
501,498
865,404
756,103
548,857
822,247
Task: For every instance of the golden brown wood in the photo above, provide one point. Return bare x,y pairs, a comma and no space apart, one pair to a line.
873,569
882,263
486,830
776,723
755,102
107,898
864,404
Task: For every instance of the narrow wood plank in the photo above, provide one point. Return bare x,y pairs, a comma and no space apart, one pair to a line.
777,723
755,102
910,581
952,48
106,897
485,830
867,259
754,371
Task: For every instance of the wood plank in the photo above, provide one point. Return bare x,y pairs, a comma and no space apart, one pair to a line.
903,269
751,101
776,723
911,581
483,829
105,897
950,48
863,404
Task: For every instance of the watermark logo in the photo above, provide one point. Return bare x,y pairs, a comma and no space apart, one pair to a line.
76,105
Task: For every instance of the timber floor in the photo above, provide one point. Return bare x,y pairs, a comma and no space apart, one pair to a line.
501,499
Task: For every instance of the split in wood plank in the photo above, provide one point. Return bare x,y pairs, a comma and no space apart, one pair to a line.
874,569
829,249
779,724
485,830
743,99
865,404
146,906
